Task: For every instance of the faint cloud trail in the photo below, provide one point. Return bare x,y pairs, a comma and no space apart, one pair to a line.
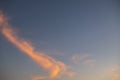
85,58
48,63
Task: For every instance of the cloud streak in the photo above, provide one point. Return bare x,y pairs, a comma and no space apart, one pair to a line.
39,78
84,58
48,63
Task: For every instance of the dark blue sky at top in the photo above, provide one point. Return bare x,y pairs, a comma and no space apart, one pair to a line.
68,26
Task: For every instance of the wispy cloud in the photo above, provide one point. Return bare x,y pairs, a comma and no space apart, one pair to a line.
54,67
79,57
68,74
39,78
85,58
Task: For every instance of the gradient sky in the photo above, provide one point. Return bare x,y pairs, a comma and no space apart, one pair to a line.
83,34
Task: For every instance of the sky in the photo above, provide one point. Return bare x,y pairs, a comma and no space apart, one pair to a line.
59,40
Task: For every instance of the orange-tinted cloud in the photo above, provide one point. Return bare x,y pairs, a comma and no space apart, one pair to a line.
115,72
47,62
116,77
112,71
39,78
1,18
71,74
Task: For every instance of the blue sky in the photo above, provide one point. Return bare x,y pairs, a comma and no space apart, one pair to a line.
67,31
